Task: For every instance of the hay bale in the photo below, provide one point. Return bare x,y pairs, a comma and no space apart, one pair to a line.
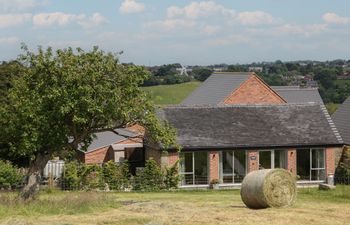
268,188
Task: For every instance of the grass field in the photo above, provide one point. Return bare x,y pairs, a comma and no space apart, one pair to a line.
171,94
180,207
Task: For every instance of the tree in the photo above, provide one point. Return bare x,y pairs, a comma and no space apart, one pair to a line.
63,97
201,74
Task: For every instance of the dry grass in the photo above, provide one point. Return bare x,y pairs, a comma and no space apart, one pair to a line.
194,207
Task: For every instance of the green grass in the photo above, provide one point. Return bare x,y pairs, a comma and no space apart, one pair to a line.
177,207
171,94
342,82
332,107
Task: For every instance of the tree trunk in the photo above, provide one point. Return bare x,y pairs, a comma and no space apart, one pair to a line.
32,186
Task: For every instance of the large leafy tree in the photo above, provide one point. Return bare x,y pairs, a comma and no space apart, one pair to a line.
63,97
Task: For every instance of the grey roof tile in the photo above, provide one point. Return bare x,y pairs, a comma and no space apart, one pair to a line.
216,88
341,119
219,85
107,138
296,94
238,126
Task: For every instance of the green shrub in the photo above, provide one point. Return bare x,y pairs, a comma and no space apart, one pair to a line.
91,176
172,177
10,175
70,178
116,176
150,178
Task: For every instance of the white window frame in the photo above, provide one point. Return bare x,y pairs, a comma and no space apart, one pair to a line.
193,169
221,173
318,168
273,166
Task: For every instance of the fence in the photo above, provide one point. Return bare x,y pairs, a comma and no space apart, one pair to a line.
342,180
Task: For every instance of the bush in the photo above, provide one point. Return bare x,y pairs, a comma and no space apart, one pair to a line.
10,175
150,178
70,178
91,176
172,177
116,176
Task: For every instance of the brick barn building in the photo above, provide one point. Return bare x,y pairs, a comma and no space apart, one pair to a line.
235,123
232,124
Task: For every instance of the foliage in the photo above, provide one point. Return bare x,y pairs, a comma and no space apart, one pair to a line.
344,166
273,79
116,176
331,108
10,175
149,178
166,74
201,74
63,97
91,176
171,176
81,176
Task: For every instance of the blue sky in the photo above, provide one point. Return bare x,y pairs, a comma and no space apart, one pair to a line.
190,32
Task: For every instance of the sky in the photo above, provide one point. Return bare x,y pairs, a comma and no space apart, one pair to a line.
189,32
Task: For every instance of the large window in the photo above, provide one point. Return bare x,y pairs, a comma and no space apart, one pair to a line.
269,159
194,168
311,164
233,166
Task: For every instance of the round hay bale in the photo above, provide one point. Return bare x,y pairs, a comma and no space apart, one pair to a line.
268,188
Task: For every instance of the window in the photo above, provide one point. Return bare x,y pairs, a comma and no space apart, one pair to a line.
311,164
232,166
269,159
194,168
317,164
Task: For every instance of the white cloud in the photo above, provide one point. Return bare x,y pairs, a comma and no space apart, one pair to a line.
95,20
56,18
170,24
131,6
209,29
332,18
20,5
61,19
9,40
195,10
255,18
9,20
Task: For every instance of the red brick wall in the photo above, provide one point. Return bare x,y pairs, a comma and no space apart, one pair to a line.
173,157
99,156
292,161
253,164
253,91
330,160
213,165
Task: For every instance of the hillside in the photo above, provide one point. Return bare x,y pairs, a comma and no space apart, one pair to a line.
171,94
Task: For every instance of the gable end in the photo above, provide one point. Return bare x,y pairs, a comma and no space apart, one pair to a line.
253,91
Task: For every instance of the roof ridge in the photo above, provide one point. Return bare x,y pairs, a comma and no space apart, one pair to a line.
242,105
243,73
331,124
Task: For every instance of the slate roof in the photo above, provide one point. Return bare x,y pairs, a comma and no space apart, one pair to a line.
109,137
251,126
296,94
219,85
216,88
341,119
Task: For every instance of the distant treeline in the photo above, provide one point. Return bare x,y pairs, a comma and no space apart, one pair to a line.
276,73
273,73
